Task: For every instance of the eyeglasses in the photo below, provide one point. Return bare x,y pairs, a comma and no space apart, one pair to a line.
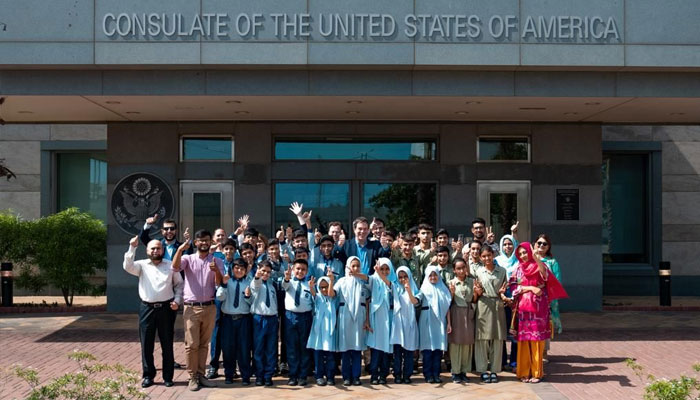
168,228
542,244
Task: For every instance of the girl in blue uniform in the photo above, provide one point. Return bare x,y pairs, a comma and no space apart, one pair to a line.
352,295
380,315
433,324
404,332
324,334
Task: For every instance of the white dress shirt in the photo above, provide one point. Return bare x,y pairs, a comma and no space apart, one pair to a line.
157,283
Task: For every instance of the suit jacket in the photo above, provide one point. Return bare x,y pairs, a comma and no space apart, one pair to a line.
374,251
144,237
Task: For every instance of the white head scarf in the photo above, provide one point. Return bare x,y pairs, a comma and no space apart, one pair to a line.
400,290
352,289
437,294
325,308
379,288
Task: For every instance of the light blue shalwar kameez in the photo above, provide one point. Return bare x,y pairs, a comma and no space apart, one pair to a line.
404,332
352,296
435,304
380,316
324,333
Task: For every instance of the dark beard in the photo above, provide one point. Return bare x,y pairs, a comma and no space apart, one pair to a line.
159,257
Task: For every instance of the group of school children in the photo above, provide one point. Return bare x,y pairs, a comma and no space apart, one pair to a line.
331,315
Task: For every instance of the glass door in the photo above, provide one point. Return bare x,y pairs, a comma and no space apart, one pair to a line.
501,203
206,205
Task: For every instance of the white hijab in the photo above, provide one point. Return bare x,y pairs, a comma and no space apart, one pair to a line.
436,294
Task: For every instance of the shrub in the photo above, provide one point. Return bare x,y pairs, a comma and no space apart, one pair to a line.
682,388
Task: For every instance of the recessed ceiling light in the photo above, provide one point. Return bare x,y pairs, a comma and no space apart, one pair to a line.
188,108
25,112
233,102
354,102
592,103
474,103
570,113
461,112
352,112
133,112
113,102
532,108
676,113
241,112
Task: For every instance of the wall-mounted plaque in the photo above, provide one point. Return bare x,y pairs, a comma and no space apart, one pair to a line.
139,196
567,204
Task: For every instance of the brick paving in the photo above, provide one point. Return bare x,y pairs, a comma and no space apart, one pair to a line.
587,361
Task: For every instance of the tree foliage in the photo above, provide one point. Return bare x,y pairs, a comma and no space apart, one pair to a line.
403,205
64,250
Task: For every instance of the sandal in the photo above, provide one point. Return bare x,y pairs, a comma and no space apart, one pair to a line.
494,378
486,378
535,380
525,380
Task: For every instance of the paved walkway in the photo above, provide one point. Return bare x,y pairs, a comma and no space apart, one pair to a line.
587,361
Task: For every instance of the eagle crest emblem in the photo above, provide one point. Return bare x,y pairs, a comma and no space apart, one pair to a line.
138,196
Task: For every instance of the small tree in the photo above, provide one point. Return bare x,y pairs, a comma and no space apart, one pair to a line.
14,245
66,247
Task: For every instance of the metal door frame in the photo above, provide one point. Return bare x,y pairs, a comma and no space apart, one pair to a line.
521,188
200,186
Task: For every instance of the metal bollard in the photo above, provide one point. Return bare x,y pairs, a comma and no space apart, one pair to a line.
665,283
6,284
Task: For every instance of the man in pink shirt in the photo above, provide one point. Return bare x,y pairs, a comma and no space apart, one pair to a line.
203,272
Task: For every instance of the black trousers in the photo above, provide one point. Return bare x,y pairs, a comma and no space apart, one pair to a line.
157,317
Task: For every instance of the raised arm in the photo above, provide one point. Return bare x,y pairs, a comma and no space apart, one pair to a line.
129,265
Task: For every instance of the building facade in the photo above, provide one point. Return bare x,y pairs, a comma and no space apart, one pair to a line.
579,119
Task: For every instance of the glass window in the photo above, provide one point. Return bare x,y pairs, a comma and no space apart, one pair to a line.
355,150
503,149
207,149
400,205
82,183
329,202
625,208
206,211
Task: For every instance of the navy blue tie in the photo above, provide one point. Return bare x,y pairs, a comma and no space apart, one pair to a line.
267,292
297,294
238,288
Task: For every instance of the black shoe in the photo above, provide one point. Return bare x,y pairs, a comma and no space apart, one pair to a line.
494,378
398,380
382,381
429,380
464,378
212,373
147,382
268,383
485,378
331,382
321,382
245,382
177,365
259,382
303,382
284,368
407,381
456,378
357,382
437,379
292,382
228,381
346,382
168,383
374,381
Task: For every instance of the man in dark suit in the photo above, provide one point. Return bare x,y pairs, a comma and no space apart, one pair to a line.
368,251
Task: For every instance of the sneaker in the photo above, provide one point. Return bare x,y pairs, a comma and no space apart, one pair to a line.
331,382
407,381
464,378
245,382
268,383
456,378
321,382
494,378
398,380
357,382
212,373
303,382
292,382
168,383
228,381
382,381
193,385
437,379
429,379
203,381
259,382
374,381
485,378
346,382
284,368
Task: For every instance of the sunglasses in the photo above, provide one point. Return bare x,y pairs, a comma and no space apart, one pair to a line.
168,228
542,244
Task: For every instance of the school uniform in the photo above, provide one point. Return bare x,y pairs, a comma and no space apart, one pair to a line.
352,296
265,325
490,321
236,327
380,320
323,338
404,332
461,340
297,325
277,275
215,341
320,267
435,304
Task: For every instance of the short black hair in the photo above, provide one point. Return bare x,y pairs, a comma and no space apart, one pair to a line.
202,233
265,263
299,233
443,249
300,250
475,241
231,242
239,262
412,231
301,261
407,237
390,233
458,259
326,238
359,220
246,246
487,249
478,220
442,231
377,219
170,221
425,227
272,242
251,232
